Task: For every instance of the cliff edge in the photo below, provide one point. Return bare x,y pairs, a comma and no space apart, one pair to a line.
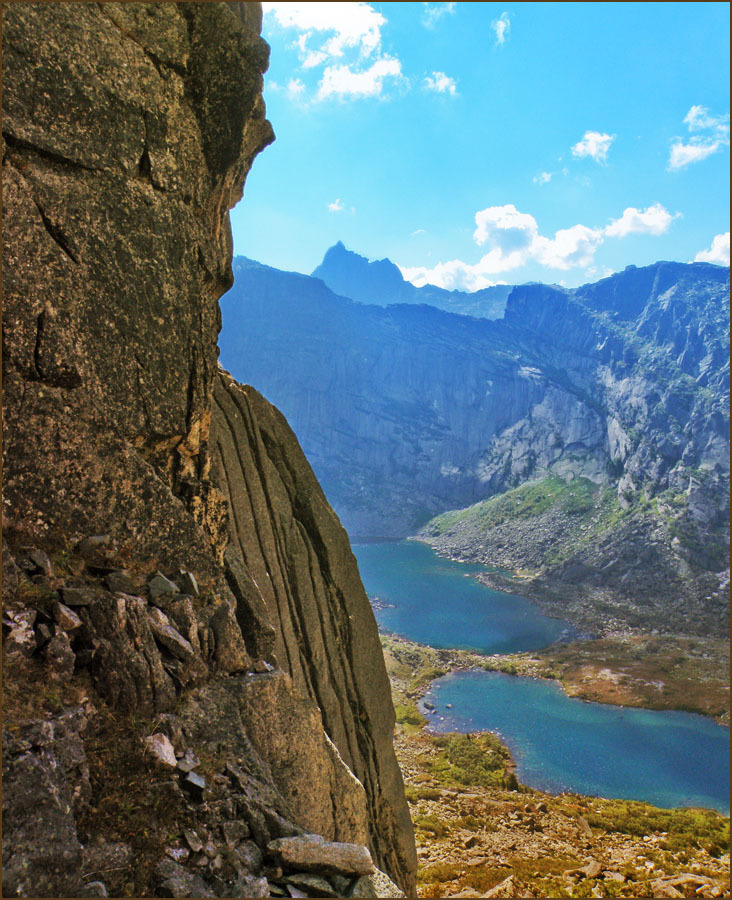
195,698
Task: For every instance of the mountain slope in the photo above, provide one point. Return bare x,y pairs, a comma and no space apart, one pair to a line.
406,411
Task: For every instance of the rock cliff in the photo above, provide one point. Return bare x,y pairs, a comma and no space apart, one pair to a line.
194,692
406,411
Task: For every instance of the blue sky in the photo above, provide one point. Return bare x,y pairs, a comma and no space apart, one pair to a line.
475,143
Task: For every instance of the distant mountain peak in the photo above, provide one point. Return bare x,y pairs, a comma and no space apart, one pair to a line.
352,275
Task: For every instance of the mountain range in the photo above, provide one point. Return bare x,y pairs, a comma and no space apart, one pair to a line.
406,411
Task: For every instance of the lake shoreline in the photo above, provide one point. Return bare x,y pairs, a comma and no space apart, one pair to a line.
634,663
522,665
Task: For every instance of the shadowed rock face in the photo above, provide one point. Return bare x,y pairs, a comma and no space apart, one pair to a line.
406,411
128,131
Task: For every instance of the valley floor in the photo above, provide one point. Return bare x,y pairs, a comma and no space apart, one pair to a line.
480,833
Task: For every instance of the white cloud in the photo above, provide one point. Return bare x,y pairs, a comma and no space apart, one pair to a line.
654,220
713,137
717,253
543,178
341,39
513,240
570,247
683,154
295,88
435,11
336,206
342,81
441,83
417,231
698,119
594,144
501,26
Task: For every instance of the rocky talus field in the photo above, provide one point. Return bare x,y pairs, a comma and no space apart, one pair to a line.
194,695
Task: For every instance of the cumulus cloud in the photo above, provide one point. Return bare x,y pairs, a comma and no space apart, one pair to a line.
433,12
440,83
543,178
707,135
343,41
654,220
342,81
512,240
336,205
501,26
594,144
717,253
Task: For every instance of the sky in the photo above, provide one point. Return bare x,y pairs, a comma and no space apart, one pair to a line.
483,143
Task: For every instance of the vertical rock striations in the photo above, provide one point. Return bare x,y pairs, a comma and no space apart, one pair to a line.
188,652
288,542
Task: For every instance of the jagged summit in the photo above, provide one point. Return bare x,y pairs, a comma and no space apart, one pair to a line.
359,278
381,282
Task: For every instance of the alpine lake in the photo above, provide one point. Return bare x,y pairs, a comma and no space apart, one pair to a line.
667,758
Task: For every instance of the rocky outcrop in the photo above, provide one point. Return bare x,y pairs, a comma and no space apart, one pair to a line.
135,604
300,596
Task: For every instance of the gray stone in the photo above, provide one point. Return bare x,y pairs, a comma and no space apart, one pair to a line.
160,586
312,853
168,636
189,761
41,561
313,885
378,884
234,832
93,889
121,582
78,596
193,840
230,651
21,638
187,583
160,748
66,618
248,886
250,855
59,656
45,785
176,881
178,854
195,785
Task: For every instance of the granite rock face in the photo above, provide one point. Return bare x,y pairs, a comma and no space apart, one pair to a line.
129,587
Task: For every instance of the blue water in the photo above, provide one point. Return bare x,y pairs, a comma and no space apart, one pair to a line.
559,743
436,602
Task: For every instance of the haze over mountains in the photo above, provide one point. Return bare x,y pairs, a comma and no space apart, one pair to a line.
381,282
406,411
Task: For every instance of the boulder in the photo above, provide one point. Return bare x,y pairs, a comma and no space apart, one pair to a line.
312,853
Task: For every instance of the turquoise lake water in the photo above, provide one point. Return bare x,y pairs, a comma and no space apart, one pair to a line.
563,744
437,602
559,743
